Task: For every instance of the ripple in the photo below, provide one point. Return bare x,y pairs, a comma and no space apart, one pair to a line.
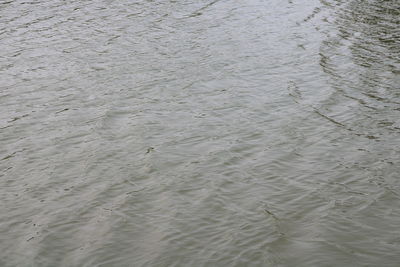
200,133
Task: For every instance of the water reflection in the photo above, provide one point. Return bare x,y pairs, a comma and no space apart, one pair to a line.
362,59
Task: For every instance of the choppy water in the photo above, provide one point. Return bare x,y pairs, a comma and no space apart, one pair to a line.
200,133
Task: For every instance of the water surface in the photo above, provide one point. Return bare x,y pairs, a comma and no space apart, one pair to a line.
200,133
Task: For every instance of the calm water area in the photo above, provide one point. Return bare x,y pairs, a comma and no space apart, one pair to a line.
199,133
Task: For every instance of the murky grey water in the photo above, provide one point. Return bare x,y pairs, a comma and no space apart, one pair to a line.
200,133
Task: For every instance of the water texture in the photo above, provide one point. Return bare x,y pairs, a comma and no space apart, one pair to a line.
199,133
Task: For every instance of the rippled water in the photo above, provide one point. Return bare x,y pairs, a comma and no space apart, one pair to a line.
200,133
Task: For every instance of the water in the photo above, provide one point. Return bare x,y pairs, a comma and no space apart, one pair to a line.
199,133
